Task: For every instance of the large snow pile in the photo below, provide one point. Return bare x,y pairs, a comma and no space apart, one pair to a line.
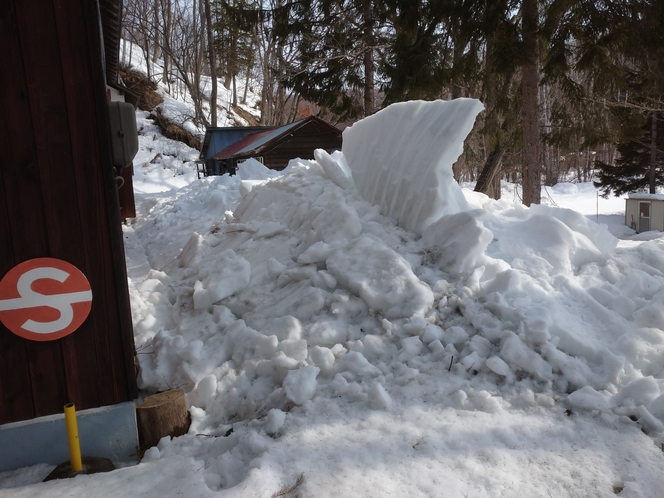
506,351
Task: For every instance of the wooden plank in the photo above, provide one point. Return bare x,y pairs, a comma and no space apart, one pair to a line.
126,193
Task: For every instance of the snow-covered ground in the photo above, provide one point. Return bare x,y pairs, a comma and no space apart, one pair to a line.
326,351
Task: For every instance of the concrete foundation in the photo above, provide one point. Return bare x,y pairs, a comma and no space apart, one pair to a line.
108,432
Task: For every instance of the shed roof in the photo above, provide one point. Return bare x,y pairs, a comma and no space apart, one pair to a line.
220,138
247,143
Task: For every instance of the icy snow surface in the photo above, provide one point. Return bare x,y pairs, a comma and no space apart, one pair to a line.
506,351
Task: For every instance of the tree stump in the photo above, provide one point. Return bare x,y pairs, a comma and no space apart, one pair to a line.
162,414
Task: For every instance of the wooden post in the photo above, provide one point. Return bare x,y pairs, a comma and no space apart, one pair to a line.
162,414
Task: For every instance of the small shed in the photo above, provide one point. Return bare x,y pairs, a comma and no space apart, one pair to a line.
224,148
644,212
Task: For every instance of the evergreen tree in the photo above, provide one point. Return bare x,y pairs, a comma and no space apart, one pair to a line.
638,158
337,43
606,58
434,49
234,35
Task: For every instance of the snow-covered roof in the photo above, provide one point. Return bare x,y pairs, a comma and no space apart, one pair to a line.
649,197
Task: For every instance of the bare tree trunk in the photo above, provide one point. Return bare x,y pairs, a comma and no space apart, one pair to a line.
496,125
486,181
156,42
294,106
246,87
234,90
167,15
213,64
530,166
368,60
653,153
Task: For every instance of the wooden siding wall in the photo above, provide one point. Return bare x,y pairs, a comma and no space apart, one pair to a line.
302,144
58,199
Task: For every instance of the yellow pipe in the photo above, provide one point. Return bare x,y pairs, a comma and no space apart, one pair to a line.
72,436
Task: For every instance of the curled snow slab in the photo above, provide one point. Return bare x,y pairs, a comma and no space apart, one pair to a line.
401,158
382,278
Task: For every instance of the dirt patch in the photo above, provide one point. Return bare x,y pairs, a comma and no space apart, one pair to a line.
247,116
138,83
174,131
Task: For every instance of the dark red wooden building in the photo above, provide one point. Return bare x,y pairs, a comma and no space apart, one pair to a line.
59,199
223,148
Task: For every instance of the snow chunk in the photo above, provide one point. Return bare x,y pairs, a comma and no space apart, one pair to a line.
356,363
285,327
323,358
457,242
638,392
498,366
300,385
294,348
275,421
335,169
231,274
382,150
598,235
486,403
455,335
204,390
378,397
657,407
251,169
432,333
382,278
587,398
517,354
410,347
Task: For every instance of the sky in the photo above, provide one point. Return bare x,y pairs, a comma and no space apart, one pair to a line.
362,325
